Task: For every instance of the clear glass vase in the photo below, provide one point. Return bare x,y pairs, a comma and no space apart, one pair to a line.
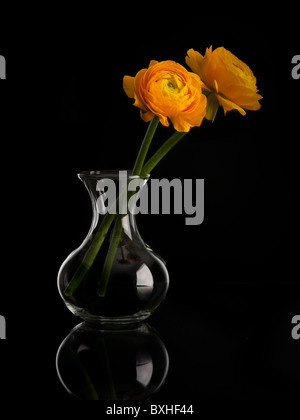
113,277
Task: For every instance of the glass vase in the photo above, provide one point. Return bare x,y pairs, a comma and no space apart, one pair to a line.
113,277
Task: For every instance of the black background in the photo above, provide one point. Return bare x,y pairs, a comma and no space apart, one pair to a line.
234,279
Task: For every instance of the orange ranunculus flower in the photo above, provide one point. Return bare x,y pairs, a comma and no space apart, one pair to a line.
231,82
168,90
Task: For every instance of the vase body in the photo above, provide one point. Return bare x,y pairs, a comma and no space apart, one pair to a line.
136,280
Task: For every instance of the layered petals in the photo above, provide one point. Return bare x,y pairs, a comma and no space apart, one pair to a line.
227,77
168,90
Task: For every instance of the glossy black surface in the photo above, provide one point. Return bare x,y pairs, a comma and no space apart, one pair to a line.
124,363
224,342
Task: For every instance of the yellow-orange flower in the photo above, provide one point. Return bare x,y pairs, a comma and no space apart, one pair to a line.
231,82
168,90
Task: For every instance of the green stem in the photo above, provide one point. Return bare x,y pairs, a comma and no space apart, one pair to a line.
118,229
90,254
79,369
108,377
138,169
162,151
96,244
113,246
145,146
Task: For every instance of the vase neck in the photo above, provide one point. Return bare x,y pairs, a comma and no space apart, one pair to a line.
115,193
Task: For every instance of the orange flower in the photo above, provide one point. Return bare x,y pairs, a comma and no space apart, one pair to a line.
168,90
230,81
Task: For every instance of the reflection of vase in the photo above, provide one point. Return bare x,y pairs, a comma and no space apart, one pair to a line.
122,280
127,364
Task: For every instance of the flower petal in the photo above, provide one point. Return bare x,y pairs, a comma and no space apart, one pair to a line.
197,82
128,86
146,115
139,102
192,116
181,125
228,105
194,61
152,63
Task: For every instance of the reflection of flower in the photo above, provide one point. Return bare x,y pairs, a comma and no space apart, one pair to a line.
168,90
231,82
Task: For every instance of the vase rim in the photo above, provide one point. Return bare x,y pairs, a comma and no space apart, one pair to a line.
112,174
